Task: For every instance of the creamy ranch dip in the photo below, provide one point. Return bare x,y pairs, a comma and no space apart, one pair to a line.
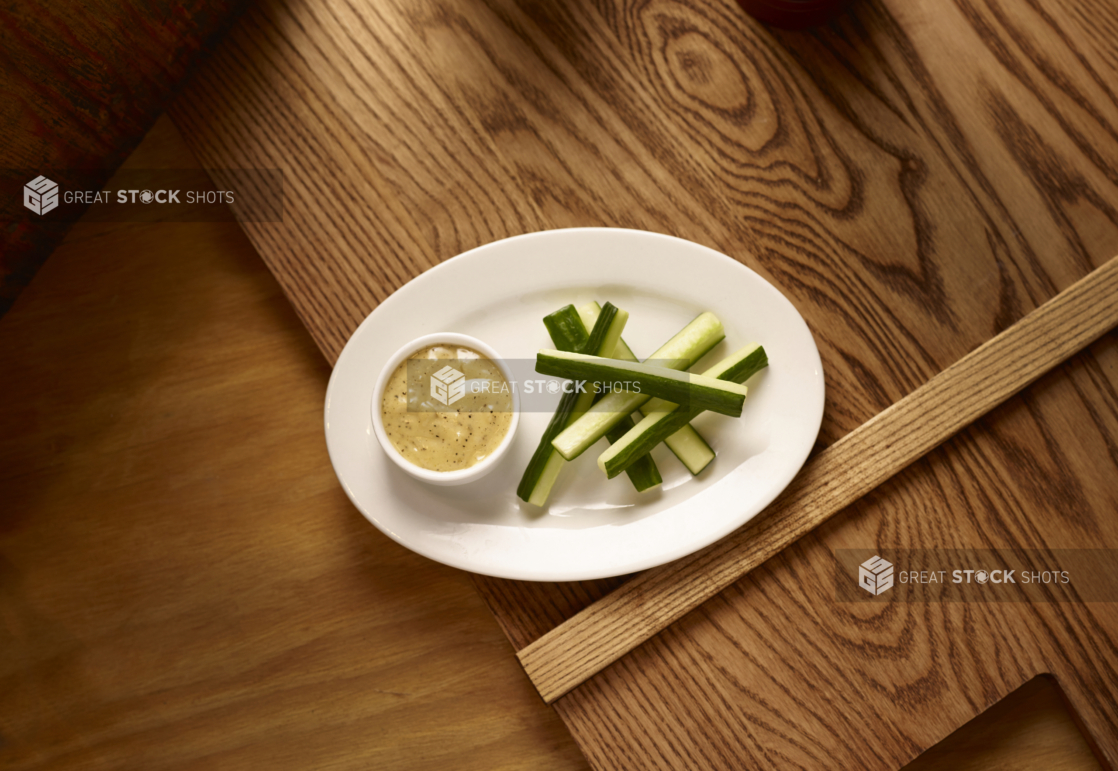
461,428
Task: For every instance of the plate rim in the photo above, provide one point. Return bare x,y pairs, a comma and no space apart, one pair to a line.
714,534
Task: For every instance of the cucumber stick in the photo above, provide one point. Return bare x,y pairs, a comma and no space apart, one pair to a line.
643,472
568,332
694,391
667,418
687,444
545,464
688,346
543,468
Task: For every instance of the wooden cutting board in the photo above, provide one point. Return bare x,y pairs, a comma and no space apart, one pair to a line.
915,178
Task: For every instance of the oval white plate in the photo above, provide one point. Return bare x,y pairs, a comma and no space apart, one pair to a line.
593,527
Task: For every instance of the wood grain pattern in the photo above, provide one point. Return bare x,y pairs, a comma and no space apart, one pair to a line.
915,177
182,582
848,685
433,696
604,632
82,83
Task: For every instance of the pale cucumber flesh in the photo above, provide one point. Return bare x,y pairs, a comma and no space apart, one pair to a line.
544,466
687,444
686,388
650,431
688,346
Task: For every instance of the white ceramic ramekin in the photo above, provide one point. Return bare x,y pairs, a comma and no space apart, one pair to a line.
461,476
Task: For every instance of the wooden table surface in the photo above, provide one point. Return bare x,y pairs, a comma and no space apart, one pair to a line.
184,585
915,177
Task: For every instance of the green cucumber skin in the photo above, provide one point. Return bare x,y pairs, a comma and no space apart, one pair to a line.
546,478
564,413
643,472
691,343
736,368
660,428
687,444
608,343
538,461
644,475
589,315
654,428
580,435
695,391
740,366
568,333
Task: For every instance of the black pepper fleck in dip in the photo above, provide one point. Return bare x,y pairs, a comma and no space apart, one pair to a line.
441,434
